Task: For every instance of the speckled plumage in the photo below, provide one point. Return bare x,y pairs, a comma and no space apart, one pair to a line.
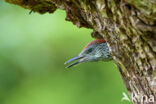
96,50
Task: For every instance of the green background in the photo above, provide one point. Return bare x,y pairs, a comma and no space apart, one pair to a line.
33,49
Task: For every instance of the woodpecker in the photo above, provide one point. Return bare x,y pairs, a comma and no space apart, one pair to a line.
97,50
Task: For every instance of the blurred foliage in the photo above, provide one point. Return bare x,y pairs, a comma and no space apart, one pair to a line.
33,49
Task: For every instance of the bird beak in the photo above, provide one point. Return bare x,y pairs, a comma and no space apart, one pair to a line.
75,63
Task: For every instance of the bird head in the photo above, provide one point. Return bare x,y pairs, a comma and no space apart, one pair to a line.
97,50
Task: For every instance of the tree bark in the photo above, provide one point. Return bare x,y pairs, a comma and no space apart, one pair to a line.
128,26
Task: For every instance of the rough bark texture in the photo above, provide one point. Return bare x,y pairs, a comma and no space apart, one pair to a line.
128,26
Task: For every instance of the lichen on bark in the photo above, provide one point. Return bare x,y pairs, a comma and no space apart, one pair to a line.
128,26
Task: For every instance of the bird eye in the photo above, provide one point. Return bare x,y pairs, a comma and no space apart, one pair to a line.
90,50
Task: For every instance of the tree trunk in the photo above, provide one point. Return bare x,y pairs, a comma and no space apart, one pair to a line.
128,26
